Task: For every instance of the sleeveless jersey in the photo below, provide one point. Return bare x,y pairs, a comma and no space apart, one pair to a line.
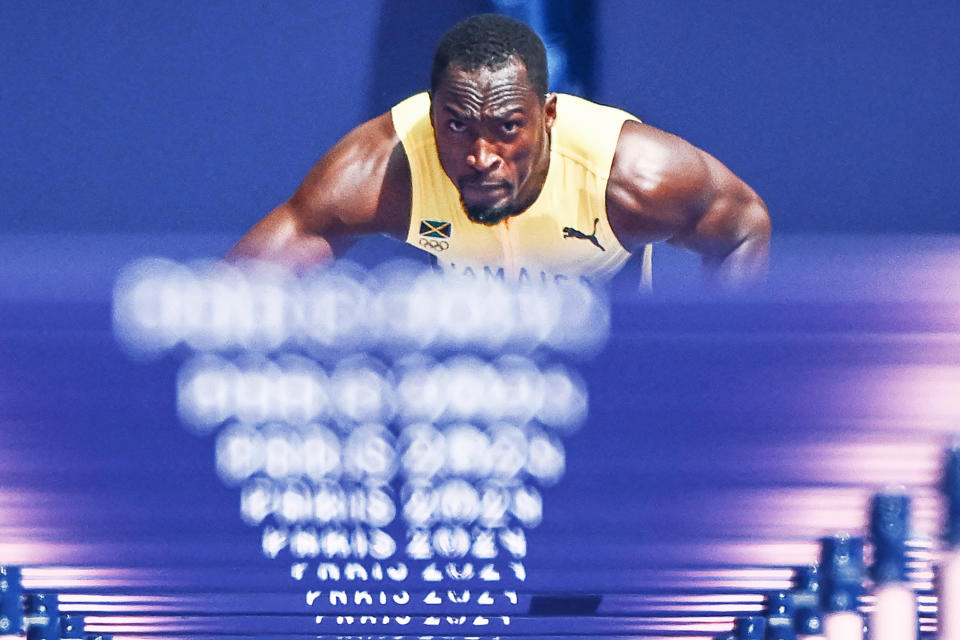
563,234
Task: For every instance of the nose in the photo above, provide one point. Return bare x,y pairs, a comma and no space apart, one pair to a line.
483,156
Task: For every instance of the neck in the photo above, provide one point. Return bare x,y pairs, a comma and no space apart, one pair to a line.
538,177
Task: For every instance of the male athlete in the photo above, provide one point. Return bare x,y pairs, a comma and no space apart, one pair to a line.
495,177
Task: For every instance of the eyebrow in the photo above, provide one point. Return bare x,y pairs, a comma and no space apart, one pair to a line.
459,115
501,114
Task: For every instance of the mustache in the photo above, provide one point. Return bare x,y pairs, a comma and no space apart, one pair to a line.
481,182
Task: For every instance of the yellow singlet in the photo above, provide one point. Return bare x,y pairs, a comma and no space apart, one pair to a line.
563,234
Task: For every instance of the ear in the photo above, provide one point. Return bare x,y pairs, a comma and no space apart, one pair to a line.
549,111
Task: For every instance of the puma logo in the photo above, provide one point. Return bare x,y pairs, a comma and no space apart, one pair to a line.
570,232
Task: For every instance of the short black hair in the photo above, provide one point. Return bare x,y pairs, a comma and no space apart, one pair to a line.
490,40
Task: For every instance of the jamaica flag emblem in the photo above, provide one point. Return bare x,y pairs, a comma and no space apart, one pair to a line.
434,229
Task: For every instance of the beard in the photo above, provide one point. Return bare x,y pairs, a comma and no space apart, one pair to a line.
487,214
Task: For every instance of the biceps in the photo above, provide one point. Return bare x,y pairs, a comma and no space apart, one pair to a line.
733,215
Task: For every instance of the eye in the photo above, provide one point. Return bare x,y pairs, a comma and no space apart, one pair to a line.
456,126
512,126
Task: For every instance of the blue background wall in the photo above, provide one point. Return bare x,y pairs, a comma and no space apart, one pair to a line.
182,116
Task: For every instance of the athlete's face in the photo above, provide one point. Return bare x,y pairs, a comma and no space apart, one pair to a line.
493,138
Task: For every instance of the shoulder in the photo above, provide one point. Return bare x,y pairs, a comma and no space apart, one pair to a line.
658,183
652,164
360,155
362,182
662,187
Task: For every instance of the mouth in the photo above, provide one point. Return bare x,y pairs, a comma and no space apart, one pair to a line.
484,191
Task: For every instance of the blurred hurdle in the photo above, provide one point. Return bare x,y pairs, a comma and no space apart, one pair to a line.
827,600
948,579
306,336
36,616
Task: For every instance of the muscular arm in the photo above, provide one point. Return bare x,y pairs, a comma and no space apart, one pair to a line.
361,186
663,188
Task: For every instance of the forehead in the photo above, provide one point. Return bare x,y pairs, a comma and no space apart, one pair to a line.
485,89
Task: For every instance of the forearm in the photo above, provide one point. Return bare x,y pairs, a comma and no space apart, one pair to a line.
744,262
296,254
279,239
